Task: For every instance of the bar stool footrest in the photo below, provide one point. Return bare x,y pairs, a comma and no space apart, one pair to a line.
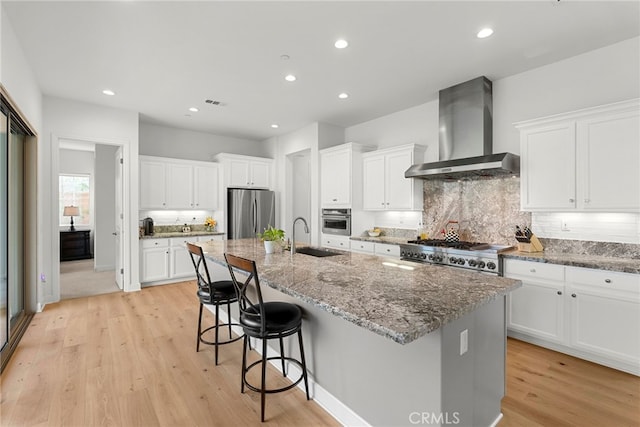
228,341
276,390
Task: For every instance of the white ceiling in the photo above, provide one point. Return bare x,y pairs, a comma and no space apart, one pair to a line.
163,57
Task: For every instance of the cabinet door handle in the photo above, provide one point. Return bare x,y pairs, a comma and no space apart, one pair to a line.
571,200
607,280
587,200
573,295
334,200
533,270
382,203
559,292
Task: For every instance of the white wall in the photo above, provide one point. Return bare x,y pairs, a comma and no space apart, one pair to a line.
598,77
17,76
104,249
416,125
72,120
163,141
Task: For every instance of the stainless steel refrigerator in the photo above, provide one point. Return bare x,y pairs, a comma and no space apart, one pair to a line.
249,212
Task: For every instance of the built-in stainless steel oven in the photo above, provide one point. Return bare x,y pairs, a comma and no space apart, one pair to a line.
336,221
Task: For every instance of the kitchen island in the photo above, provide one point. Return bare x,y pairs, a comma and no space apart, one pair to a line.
385,339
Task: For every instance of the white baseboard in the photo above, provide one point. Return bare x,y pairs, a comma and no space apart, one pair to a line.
338,410
104,267
497,420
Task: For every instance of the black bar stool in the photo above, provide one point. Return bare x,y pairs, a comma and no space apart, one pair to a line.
212,293
265,320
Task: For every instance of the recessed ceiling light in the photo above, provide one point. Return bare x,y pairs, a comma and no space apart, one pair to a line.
484,33
341,44
193,109
108,92
275,126
290,78
343,95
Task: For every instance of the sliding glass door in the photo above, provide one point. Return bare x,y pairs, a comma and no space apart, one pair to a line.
4,243
13,280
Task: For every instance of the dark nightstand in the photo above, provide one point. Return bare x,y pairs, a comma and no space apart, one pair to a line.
75,245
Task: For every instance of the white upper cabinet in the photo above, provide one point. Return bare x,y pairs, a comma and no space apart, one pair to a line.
153,194
206,183
178,184
582,161
384,184
341,176
610,162
246,171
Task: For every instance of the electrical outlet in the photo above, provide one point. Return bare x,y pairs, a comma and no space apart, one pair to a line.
464,341
564,225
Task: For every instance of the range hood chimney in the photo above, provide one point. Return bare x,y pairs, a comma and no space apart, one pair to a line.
466,136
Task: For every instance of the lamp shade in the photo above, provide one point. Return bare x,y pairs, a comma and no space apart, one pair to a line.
71,211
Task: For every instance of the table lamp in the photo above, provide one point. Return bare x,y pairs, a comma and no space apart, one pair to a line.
71,211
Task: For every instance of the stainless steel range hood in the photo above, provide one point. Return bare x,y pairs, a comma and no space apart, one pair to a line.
465,142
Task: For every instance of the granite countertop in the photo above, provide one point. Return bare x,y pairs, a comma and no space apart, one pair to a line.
620,264
382,239
399,304
181,234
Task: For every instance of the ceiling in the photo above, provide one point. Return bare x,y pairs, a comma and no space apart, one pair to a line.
161,58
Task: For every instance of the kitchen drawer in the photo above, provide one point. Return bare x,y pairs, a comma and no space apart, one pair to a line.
612,280
533,270
362,246
219,237
155,243
388,250
338,242
181,241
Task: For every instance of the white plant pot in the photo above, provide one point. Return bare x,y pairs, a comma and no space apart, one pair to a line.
271,246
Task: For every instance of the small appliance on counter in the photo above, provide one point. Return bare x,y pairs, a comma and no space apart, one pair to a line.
147,225
527,241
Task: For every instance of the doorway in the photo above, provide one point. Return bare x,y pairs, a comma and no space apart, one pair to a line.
299,193
96,270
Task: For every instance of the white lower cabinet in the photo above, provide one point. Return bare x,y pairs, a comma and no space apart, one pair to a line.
336,242
362,247
536,308
605,313
154,260
588,313
181,264
384,249
167,259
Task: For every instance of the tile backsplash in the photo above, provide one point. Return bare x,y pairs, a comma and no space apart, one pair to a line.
487,209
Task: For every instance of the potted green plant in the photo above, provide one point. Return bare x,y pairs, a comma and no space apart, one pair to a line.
272,238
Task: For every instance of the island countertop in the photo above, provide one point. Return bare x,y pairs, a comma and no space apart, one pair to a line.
399,300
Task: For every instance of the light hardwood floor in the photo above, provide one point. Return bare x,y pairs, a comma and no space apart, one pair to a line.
547,388
128,359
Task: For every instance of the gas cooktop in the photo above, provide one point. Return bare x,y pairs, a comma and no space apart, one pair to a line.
470,255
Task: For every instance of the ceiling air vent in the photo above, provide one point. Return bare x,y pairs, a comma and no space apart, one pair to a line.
212,102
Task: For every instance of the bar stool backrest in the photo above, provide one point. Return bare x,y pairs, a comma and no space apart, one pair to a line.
250,311
202,271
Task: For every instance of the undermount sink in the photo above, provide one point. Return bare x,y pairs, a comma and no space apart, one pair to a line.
317,252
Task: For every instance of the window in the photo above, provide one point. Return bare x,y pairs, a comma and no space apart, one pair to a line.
75,190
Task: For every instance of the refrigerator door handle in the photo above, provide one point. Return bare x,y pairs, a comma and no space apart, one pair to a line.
255,216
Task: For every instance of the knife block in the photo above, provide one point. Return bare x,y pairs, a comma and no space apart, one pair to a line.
534,246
